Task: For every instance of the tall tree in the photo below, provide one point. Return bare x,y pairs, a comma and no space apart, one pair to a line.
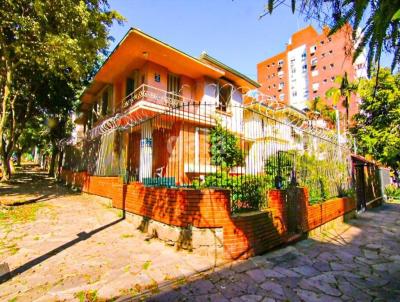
47,49
343,92
377,127
318,109
377,20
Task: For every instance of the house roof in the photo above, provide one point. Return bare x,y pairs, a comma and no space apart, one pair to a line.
137,47
233,73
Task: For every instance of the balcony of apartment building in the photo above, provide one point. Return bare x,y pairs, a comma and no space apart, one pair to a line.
280,64
313,49
315,87
314,62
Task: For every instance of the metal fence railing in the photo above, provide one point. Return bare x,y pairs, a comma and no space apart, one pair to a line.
244,149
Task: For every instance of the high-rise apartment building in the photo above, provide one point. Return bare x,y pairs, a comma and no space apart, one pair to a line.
308,66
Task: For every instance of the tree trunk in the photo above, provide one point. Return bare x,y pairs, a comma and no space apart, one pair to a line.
59,165
19,156
5,167
5,159
52,167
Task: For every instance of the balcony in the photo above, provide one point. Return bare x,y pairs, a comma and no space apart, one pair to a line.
156,97
148,101
314,63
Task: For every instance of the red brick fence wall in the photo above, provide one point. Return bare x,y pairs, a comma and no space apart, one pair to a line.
244,235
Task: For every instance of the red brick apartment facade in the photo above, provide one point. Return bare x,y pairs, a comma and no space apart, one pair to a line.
308,66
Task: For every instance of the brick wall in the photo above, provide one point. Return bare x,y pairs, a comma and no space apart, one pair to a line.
244,235
316,215
76,179
177,206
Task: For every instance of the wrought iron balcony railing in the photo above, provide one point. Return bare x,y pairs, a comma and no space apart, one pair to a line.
156,96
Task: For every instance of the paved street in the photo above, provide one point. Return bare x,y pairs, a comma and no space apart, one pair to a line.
71,247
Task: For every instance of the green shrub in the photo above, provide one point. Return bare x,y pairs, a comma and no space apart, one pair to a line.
225,150
247,192
392,191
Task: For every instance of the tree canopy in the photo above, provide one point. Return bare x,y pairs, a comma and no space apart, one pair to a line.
377,128
48,51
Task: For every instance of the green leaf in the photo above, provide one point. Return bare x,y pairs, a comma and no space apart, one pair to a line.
396,16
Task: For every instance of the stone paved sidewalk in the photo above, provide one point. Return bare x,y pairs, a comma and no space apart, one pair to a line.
78,249
358,262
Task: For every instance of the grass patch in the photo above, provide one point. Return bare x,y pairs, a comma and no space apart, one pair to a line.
86,296
146,265
12,248
19,214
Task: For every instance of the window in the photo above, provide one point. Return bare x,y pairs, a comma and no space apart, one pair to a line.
314,73
130,86
303,55
224,98
304,67
282,96
332,79
324,68
323,55
313,49
173,87
104,103
332,65
280,63
322,42
281,85
294,93
325,81
274,85
280,74
93,115
331,51
329,39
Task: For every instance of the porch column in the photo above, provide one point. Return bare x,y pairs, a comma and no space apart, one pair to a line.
146,151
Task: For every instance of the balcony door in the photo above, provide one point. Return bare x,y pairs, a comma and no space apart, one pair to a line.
131,83
173,87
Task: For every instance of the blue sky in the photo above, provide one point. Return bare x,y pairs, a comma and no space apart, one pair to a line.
228,30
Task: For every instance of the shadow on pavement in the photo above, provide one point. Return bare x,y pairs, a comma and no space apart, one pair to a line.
81,237
362,263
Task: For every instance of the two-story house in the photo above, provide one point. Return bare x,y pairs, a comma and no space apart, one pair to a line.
149,101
